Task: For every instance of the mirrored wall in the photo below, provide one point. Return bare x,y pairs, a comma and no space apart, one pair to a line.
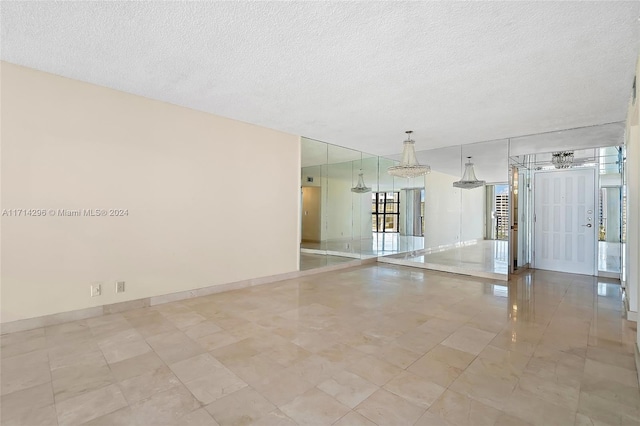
352,209
465,229
569,215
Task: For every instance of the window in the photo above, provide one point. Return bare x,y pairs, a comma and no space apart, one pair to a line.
385,210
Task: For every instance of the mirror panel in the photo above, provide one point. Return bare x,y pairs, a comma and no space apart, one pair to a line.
313,184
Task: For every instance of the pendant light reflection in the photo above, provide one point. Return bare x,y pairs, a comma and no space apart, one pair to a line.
409,166
469,179
360,188
562,159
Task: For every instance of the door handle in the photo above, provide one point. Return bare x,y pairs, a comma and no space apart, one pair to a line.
588,225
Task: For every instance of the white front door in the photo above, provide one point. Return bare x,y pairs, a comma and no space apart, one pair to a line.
565,221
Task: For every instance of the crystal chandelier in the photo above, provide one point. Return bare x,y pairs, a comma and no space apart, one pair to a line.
360,188
409,166
562,159
469,179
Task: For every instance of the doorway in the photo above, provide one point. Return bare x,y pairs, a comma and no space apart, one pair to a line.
311,214
565,221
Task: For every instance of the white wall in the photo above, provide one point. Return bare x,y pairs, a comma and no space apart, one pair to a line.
339,207
202,192
473,213
452,215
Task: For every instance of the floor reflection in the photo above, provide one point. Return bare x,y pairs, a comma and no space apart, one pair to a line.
609,256
484,258
312,261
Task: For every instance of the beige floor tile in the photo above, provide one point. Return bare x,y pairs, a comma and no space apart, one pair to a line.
121,417
440,325
414,332
252,370
116,352
287,354
242,349
216,340
24,371
174,346
148,384
151,323
458,409
135,366
315,369
536,411
510,361
90,405
15,344
185,320
442,365
419,341
509,420
242,407
415,389
354,419
611,357
165,408
386,408
41,416
614,373
73,353
314,407
556,366
612,391
469,339
374,370
215,385
341,355
92,373
348,388
198,366
274,418
549,391
488,385
17,405
397,355
431,419
202,328
198,417
516,341
282,387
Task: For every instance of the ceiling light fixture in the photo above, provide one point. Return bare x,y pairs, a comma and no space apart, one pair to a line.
360,188
469,179
409,166
562,159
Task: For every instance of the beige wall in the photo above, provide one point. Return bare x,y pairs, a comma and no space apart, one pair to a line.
210,200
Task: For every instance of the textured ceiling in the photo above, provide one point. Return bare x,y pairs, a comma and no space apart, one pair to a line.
356,74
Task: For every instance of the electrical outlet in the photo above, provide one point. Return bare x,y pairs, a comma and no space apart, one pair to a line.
119,286
96,289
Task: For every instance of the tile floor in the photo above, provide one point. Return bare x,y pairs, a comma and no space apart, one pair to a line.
373,345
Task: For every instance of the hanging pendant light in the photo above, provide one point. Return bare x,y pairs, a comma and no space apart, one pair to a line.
409,166
562,159
469,179
360,188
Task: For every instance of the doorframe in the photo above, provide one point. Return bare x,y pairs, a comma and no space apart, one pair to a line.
596,186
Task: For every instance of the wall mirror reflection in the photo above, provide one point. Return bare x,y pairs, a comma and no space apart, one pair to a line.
568,211
464,218
352,209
